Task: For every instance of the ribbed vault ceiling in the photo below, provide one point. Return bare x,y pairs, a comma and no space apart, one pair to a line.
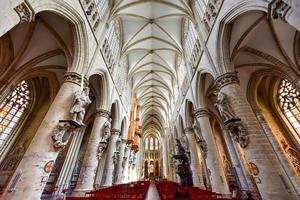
152,33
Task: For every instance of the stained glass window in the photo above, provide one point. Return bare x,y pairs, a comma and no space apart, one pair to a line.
151,143
12,109
156,144
146,144
289,101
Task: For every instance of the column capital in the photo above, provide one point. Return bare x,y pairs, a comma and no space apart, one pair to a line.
115,131
74,77
102,113
201,112
189,130
226,79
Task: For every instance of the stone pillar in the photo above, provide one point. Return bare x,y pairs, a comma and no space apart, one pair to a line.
213,161
271,180
66,172
195,164
165,157
237,164
120,162
88,169
108,173
125,163
31,175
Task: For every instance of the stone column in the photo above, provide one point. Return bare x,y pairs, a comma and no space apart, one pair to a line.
165,157
195,164
125,163
88,169
271,180
108,172
120,162
31,175
237,164
66,172
213,161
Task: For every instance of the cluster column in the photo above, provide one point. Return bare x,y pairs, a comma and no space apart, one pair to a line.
195,164
86,180
121,162
270,179
213,161
111,158
33,171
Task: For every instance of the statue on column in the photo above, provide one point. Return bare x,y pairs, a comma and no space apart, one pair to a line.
105,138
237,130
65,128
80,102
61,134
233,124
118,144
184,142
224,107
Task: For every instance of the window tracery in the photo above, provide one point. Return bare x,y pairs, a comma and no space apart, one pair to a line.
289,102
12,109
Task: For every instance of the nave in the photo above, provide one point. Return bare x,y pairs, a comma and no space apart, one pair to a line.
98,97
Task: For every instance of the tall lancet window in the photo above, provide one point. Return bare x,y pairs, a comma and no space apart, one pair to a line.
146,144
151,143
12,110
289,101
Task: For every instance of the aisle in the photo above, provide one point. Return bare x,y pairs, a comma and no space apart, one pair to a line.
152,193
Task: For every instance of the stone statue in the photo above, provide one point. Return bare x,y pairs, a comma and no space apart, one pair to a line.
107,131
184,142
179,150
118,144
61,134
105,139
80,102
224,107
237,130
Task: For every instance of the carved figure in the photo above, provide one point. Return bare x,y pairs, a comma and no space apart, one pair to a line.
224,107
80,102
237,130
107,130
59,134
184,142
118,144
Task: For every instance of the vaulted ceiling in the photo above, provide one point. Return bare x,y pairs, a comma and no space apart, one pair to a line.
152,34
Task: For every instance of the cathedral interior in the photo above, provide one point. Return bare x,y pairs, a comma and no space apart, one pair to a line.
150,99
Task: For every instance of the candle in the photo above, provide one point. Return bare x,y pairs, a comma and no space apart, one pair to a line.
81,84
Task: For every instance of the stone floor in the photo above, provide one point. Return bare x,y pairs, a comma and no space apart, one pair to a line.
152,193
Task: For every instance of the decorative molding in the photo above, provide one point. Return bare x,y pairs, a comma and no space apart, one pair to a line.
115,131
25,12
74,77
103,113
278,9
202,112
226,79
